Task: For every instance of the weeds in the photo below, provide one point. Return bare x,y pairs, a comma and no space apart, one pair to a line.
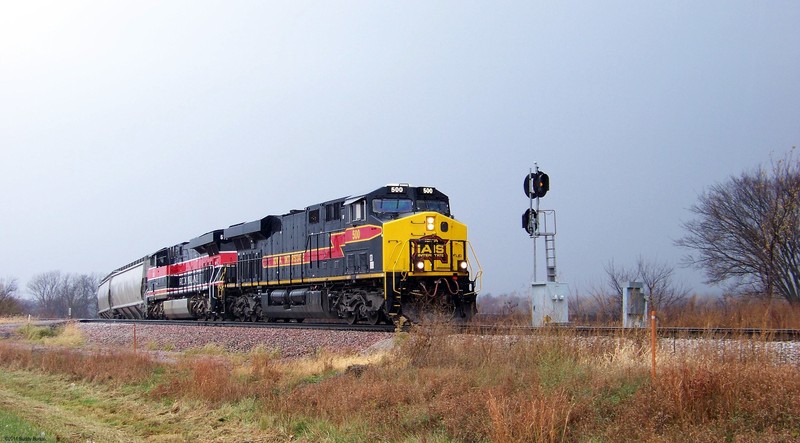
439,386
60,335
32,332
734,313
109,367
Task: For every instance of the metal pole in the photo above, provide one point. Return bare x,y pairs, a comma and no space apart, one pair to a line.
532,223
534,220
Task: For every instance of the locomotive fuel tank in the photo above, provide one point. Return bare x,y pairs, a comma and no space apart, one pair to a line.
178,309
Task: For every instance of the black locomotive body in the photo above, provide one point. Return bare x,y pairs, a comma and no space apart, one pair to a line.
392,253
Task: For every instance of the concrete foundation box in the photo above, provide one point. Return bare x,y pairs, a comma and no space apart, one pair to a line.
549,303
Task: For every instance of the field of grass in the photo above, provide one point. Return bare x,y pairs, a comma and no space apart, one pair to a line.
13,428
433,386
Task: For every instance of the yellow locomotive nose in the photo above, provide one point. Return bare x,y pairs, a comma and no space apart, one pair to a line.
427,259
425,242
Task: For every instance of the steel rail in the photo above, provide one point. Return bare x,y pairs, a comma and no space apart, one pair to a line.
492,329
284,325
670,331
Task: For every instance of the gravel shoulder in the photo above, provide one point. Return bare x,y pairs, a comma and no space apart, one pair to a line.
285,343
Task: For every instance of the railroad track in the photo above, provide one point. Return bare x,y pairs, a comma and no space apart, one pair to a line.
495,329
282,325
662,332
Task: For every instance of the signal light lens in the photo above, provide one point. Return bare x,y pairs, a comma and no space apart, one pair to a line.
420,265
462,265
430,220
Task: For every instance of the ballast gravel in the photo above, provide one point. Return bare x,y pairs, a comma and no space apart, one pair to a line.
286,343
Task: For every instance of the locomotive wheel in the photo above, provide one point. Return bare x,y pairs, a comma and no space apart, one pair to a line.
352,319
374,318
256,315
242,309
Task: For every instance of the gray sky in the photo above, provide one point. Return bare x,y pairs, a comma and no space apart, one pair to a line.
129,126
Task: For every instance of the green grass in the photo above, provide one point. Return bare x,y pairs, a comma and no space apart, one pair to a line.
32,332
15,429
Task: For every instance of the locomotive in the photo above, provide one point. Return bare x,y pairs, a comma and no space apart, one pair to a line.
390,254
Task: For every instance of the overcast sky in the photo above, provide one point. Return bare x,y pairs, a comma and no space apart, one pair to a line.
129,126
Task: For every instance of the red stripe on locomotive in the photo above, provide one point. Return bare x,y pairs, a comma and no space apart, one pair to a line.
335,250
223,258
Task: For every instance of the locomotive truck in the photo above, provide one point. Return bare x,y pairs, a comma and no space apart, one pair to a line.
393,253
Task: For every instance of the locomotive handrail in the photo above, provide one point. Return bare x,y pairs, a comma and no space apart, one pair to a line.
479,274
396,260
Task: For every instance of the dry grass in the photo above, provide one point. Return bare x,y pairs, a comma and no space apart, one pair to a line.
734,313
554,389
100,366
440,386
13,319
69,335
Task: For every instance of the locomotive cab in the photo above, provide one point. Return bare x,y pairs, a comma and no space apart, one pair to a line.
396,201
422,254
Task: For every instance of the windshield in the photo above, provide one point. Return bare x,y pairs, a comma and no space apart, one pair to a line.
391,205
433,205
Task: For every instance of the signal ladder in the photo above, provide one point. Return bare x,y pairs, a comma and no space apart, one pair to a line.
550,255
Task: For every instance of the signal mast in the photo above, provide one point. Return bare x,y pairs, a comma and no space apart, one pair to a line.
548,298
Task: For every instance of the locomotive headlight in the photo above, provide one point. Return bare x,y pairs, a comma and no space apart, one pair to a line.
462,265
430,222
420,265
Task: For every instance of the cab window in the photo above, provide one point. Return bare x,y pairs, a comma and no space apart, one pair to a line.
433,205
392,205
332,212
357,211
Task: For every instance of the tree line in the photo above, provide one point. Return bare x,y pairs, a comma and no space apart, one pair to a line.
52,295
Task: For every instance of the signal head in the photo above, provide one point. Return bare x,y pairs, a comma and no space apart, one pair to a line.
541,184
536,184
530,222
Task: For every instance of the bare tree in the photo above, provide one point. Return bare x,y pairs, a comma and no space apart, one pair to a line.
662,292
9,303
583,309
79,295
45,290
608,298
602,306
747,231
506,306
62,295
657,277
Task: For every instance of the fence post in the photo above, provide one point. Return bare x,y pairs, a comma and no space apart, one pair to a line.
653,343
